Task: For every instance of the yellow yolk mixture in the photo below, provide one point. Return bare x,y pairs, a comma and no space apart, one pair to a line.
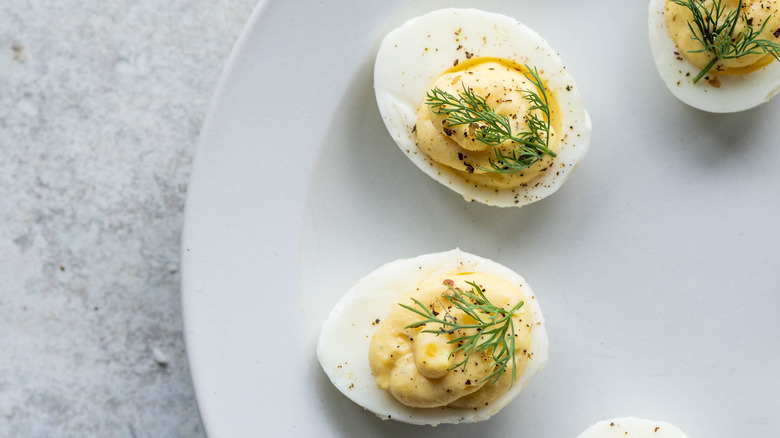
500,82
757,12
418,369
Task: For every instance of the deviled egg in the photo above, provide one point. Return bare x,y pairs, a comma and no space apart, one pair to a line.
717,55
630,427
448,337
482,104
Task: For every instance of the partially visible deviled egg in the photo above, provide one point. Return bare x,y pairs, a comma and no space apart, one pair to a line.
630,427
737,69
482,104
441,338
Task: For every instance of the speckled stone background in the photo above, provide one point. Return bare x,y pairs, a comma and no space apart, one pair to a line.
100,107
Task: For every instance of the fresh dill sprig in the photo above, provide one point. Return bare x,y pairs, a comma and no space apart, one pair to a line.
493,328
493,129
714,29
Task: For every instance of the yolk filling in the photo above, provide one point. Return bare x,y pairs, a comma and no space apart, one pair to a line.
677,18
499,82
417,368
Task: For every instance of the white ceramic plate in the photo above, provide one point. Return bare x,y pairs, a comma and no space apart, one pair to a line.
656,265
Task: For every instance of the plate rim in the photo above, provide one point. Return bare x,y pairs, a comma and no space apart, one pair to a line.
185,289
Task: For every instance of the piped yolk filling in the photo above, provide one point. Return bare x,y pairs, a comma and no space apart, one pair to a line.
500,82
678,17
417,368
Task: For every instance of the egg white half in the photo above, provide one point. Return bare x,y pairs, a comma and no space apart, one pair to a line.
346,334
631,427
736,92
413,55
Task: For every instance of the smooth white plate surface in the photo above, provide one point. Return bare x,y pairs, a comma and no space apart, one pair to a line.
658,260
